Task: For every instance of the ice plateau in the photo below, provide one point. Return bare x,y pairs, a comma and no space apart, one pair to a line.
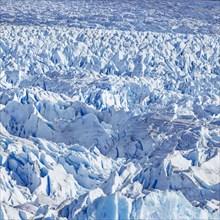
103,122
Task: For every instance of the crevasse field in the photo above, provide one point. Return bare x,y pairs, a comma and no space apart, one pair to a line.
109,109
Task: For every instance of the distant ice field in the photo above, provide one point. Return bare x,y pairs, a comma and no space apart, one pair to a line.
178,16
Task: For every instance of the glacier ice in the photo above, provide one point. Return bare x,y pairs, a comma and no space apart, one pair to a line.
108,123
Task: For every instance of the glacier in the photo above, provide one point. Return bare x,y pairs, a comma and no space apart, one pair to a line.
109,120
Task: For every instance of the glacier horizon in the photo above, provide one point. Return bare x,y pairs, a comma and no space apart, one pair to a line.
142,106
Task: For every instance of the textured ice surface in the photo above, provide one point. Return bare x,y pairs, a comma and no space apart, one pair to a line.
109,124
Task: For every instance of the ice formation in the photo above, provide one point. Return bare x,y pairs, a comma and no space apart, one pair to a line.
108,124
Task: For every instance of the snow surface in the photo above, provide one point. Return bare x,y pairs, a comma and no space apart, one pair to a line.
102,122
